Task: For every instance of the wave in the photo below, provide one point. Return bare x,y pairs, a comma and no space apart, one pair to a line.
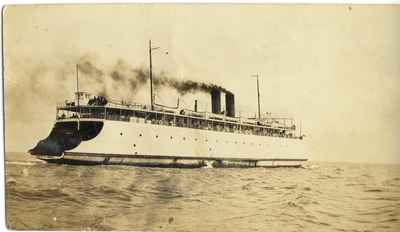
26,163
227,199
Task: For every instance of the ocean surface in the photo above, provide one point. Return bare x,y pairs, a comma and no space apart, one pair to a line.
318,197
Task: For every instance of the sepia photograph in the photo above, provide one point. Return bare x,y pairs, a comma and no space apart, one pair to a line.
201,117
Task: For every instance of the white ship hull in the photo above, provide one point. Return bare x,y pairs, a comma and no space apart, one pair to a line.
119,142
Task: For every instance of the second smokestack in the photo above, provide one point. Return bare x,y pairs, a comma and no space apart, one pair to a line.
215,101
230,104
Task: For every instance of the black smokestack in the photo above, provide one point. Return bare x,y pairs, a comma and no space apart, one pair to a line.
230,104
216,101
195,105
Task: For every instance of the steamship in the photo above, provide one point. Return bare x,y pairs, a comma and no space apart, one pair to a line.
92,129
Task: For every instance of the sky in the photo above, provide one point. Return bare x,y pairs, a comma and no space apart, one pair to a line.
335,68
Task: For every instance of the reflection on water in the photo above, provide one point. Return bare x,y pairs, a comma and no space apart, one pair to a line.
319,197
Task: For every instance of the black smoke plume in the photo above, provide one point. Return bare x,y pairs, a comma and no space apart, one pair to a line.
123,75
186,86
86,67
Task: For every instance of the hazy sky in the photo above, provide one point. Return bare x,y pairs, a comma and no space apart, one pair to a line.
335,67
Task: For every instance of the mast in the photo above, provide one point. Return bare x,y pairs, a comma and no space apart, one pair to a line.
77,83
77,94
258,96
151,77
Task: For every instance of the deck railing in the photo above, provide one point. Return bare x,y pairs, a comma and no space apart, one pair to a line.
214,122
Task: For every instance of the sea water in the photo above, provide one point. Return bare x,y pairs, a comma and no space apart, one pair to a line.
318,197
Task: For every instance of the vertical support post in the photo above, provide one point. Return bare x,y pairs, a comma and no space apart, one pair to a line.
151,77
300,130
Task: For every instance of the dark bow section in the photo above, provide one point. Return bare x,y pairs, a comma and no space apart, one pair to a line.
66,136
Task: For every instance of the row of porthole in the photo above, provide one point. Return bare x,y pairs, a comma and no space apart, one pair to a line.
184,138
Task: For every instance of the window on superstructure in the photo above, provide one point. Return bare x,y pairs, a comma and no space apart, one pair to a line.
204,125
180,122
196,123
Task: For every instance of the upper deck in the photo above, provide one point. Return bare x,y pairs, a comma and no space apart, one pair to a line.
95,107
